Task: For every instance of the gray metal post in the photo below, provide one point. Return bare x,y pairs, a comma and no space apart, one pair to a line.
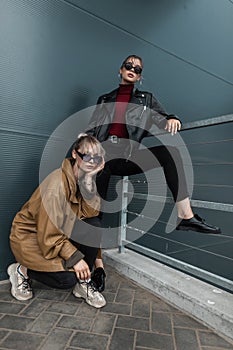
123,217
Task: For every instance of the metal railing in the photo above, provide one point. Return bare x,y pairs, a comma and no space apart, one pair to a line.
224,207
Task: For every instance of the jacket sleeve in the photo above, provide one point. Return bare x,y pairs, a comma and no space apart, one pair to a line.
98,119
159,115
95,118
52,240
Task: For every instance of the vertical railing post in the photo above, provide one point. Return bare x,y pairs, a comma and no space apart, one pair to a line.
123,217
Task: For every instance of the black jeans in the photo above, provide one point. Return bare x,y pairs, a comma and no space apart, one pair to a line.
167,157
68,279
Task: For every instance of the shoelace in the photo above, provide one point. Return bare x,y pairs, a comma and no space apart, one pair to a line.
90,286
26,282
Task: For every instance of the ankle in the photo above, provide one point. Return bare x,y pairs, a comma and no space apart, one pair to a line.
186,216
185,213
184,209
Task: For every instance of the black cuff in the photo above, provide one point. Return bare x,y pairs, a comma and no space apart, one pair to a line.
173,116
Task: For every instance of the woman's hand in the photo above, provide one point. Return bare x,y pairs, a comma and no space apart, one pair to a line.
88,176
82,270
172,126
96,169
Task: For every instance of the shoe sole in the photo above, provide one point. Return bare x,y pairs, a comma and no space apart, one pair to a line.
77,295
184,228
11,271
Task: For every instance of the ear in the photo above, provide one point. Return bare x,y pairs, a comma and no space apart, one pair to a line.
74,154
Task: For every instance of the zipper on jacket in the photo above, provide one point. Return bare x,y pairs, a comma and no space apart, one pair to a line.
130,151
131,147
144,109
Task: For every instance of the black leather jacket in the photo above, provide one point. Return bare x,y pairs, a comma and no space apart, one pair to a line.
143,110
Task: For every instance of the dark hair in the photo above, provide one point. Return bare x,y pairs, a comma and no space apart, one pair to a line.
132,56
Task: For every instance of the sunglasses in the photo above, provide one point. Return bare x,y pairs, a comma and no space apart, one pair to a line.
88,157
129,66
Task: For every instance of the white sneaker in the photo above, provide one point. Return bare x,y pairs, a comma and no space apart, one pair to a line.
20,285
87,291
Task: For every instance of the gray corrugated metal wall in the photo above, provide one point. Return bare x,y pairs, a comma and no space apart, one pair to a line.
58,56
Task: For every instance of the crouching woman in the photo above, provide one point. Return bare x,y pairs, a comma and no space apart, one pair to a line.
50,234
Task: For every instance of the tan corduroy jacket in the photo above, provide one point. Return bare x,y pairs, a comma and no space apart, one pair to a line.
40,231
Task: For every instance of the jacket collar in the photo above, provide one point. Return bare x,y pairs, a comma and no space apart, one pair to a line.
68,171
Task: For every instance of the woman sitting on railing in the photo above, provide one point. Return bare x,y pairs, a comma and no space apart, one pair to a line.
121,120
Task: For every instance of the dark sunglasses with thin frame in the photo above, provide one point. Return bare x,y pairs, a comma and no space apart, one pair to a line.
86,157
129,66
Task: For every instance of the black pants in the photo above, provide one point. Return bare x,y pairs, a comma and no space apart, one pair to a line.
68,279
167,157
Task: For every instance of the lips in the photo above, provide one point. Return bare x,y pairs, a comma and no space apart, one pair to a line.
130,75
90,167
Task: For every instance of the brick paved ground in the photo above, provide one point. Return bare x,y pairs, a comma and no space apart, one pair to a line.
133,319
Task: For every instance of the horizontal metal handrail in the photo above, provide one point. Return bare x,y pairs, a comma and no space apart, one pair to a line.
227,207
208,122
203,123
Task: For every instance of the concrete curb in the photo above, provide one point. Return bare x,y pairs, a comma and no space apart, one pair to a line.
210,305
